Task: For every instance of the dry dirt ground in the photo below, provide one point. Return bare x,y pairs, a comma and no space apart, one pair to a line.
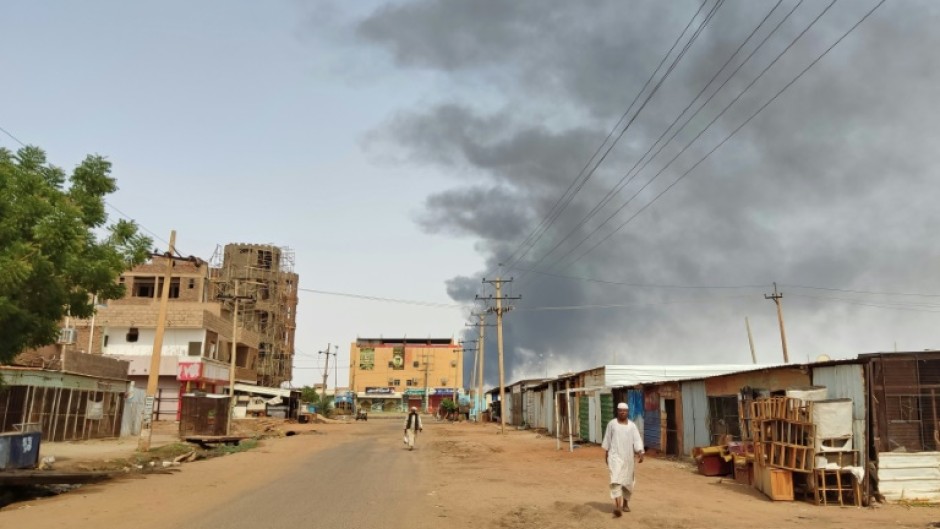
479,479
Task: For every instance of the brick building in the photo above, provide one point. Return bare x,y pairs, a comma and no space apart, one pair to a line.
198,336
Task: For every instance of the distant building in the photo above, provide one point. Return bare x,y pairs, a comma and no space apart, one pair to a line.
393,374
197,341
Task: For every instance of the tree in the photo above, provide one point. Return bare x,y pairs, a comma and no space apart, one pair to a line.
56,252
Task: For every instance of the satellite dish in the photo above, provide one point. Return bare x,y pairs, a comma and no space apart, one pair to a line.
823,358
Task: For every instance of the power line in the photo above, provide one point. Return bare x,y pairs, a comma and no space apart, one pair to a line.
627,179
892,306
555,210
709,300
388,300
17,140
738,128
126,216
643,285
870,292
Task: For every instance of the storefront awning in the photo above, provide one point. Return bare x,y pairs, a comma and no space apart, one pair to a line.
394,395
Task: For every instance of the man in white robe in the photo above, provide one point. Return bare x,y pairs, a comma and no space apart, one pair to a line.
623,447
412,427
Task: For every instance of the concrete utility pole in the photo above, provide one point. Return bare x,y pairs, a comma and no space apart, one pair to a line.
499,311
326,369
481,348
783,333
427,357
457,381
750,340
153,377
235,298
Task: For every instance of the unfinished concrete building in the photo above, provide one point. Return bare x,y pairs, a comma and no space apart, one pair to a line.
263,275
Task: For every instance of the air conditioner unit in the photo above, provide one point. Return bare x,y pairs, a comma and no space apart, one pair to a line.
67,335
444,381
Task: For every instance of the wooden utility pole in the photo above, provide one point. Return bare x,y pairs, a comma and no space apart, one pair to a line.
499,311
783,333
750,340
153,377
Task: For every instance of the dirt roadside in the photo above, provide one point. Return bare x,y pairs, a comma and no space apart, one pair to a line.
481,478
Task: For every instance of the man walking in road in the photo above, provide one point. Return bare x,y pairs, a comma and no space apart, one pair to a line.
623,447
412,427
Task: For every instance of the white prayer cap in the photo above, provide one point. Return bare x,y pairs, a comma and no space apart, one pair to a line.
623,406
414,408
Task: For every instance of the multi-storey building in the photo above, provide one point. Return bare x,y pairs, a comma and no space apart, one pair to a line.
196,352
265,274
393,374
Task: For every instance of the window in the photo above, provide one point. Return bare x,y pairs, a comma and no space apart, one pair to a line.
396,382
195,348
723,417
144,287
416,363
265,259
192,283
132,334
174,287
409,382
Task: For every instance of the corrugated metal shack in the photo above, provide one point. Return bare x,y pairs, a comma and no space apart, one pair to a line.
62,406
905,424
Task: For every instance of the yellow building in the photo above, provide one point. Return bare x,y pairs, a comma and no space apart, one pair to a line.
394,374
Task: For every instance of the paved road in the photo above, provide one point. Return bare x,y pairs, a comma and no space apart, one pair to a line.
365,483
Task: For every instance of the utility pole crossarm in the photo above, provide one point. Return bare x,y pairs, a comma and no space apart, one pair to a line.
499,310
776,297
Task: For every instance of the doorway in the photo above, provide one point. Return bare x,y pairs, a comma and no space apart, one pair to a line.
672,433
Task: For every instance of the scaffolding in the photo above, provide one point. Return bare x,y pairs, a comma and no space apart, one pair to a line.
266,273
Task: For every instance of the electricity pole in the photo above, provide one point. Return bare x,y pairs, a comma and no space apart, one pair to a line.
235,298
783,333
481,349
750,340
457,381
153,377
499,310
326,369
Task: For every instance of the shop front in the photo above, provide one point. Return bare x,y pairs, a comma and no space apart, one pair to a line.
379,400
435,396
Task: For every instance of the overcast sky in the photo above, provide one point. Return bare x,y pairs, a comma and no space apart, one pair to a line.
404,149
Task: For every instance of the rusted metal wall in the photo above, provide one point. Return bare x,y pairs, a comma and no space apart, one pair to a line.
770,379
204,415
906,402
670,391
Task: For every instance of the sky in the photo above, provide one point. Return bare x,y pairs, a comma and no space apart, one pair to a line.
643,171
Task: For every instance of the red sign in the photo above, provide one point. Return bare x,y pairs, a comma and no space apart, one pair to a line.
189,371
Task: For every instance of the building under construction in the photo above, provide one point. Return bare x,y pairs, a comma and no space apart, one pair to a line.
262,277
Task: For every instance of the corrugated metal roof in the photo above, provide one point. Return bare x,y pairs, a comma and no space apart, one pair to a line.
632,375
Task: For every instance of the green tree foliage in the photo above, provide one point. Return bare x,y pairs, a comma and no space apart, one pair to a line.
309,394
55,250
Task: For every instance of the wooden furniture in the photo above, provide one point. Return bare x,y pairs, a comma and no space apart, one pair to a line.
836,486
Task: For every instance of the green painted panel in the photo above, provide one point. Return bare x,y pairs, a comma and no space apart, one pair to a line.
607,412
584,420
